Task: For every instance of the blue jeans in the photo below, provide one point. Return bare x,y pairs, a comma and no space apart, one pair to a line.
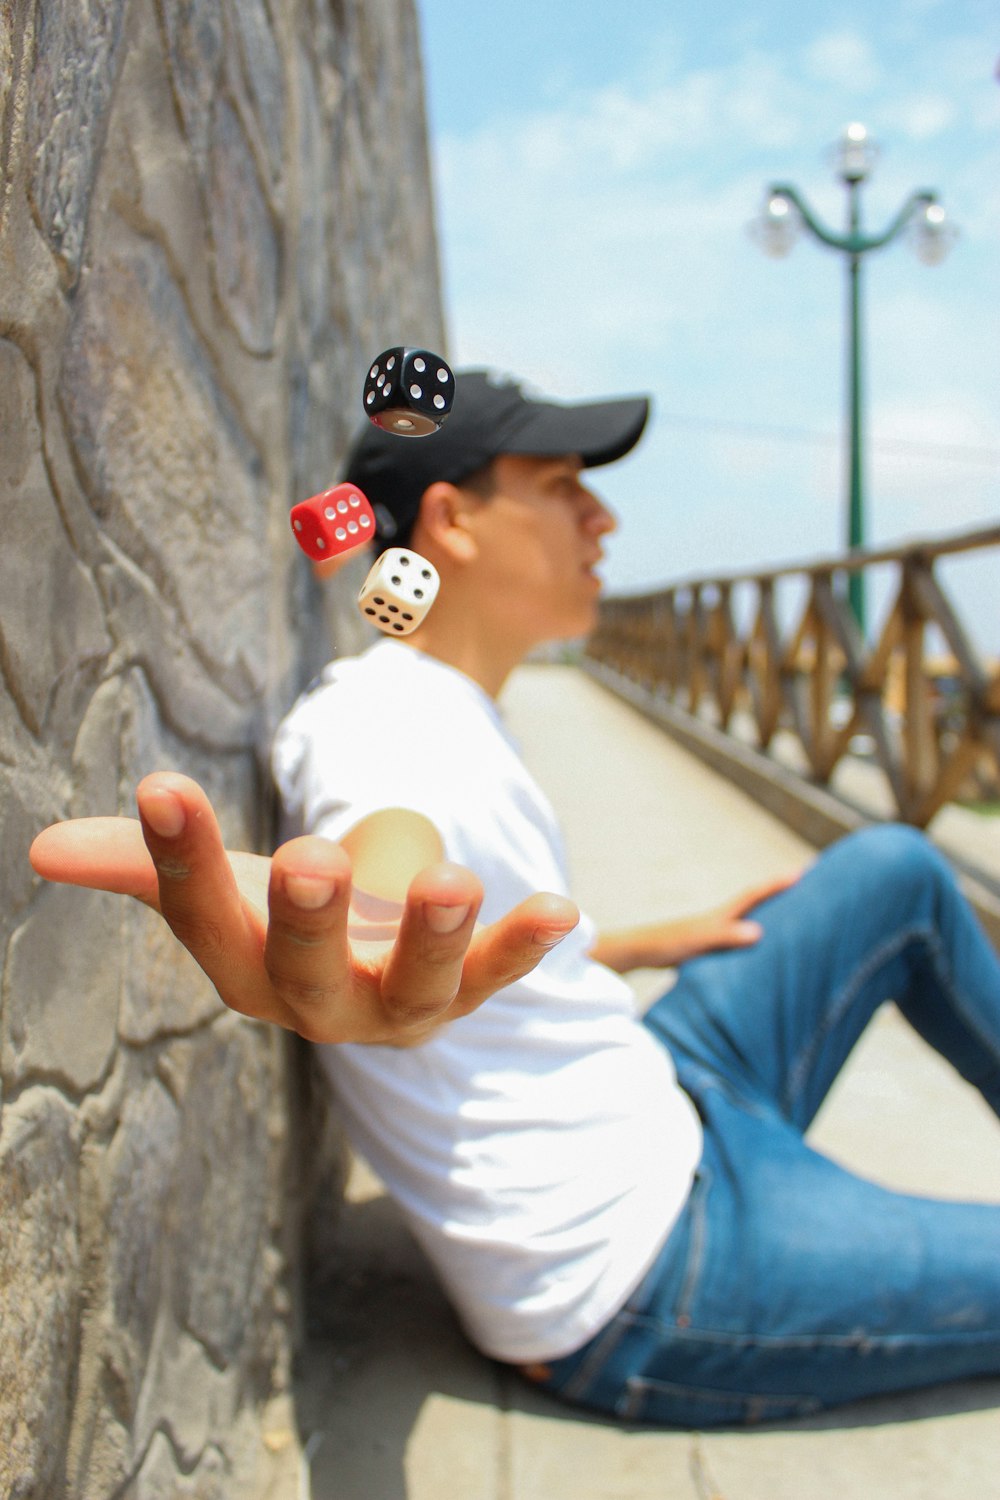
790,1284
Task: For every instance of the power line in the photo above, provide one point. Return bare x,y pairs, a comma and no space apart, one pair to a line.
954,452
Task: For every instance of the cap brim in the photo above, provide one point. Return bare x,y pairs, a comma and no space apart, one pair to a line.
600,432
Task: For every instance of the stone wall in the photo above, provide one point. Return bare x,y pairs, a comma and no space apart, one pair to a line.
213,213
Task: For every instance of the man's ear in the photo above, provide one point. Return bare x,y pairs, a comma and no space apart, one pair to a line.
441,524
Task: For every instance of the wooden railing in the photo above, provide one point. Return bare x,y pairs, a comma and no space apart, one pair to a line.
932,726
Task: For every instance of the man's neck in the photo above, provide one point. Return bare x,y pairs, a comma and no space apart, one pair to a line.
488,662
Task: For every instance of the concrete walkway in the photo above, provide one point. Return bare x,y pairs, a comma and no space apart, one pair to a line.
393,1405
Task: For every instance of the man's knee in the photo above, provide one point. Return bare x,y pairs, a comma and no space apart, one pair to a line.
894,854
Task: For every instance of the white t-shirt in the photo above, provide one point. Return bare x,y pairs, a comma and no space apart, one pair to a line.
540,1147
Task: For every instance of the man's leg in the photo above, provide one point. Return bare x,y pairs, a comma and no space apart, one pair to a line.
878,918
790,1283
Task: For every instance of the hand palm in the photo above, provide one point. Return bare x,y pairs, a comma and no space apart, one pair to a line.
279,957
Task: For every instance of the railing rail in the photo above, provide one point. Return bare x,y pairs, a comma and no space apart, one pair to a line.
818,678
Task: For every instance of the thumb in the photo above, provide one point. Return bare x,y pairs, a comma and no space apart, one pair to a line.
745,934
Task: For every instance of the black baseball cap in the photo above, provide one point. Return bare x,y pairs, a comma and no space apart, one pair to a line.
491,415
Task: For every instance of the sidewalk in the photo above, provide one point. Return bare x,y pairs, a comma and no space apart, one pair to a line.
393,1405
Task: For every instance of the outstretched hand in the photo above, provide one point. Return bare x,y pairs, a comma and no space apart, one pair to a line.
272,934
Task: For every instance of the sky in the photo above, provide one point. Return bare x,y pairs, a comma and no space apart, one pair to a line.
596,170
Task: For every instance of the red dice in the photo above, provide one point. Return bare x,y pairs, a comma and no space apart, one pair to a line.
333,522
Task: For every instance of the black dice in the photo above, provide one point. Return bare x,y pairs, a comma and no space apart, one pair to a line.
409,392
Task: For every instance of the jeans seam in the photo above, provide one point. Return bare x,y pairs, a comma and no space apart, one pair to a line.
752,1406
805,1061
857,1340
696,1248
944,977
922,932
605,1345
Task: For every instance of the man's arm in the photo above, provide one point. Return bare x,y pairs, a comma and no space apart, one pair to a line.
272,935
662,945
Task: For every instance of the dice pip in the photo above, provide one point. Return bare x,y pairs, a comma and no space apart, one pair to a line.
398,591
333,522
409,392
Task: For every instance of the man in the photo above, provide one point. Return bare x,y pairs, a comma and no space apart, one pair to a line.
624,1208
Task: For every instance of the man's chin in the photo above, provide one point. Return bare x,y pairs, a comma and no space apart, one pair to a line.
584,625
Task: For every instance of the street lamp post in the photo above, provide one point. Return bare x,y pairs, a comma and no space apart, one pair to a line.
785,214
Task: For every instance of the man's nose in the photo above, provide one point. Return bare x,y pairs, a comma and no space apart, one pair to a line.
600,519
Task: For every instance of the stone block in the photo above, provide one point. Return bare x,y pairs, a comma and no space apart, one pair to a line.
61,986
30,799
217,715
130,1347
313,167
225,98
18,411
6,61
170,472
165,992
222,1227
195,39
228,1468
246,256
262,68
100,1443
39,1292
137,1170
189,1398
53,622
95,763
77,52
160,1477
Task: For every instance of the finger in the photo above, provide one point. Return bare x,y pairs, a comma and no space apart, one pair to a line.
106,854
740,935
110,854
512,947
100,853
423,972
198,894
307,955
757,894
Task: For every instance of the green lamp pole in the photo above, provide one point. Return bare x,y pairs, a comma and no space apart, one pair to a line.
785,213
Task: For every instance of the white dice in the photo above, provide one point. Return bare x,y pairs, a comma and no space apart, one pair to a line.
398,591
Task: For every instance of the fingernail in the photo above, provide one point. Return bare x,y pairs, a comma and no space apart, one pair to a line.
164,814
444,919
309,892
546,938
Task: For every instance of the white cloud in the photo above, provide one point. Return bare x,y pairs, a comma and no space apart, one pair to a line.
844,58
922,117
953,420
